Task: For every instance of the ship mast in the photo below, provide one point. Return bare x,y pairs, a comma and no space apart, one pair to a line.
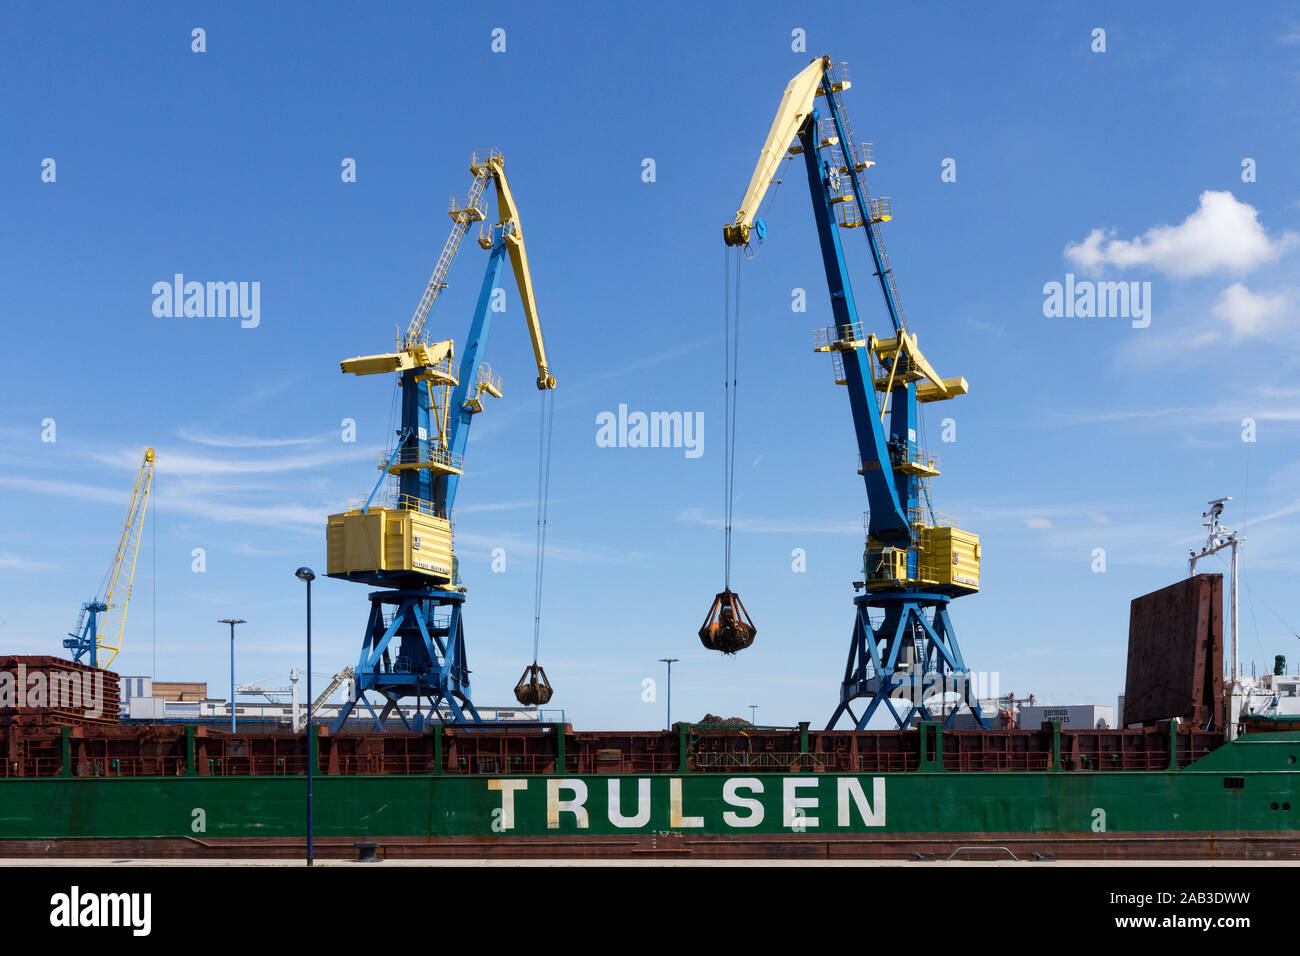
1216,540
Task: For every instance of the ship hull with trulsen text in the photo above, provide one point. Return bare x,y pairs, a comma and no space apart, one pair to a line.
1166,791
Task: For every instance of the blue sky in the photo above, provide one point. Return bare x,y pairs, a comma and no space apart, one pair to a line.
1078,433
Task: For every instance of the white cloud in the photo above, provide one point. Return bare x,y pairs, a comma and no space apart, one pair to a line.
1264,404
288,516
1039,524
239,441
499,506
1223,233
179,463
1248,313
771,525
14,562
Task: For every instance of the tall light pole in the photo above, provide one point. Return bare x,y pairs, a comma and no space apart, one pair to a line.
753,714
308,575
669,661
232,621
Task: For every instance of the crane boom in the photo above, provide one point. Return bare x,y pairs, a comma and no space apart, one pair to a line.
796,106
513,233
101,636
300,720
128,549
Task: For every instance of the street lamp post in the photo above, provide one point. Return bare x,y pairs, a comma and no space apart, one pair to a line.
753,714
669,661
308,575
232,621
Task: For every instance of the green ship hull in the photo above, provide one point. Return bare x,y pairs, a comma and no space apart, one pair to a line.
1239,799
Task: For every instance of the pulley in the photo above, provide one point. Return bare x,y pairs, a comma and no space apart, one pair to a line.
728,627
533,689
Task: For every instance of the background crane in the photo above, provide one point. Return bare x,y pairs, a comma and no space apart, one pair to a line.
904,650
102,623
414,644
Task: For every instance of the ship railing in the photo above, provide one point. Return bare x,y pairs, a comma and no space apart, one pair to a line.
995,762
624,763
884,762
96,767
31,767
380,765
741,760
581,763
258,765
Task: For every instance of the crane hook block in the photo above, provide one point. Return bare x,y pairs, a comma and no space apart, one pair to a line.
533,689
728,627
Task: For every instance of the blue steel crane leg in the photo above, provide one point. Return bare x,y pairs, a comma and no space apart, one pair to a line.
902,721
379,724
343,715
944,625
888,519
471,360
461,665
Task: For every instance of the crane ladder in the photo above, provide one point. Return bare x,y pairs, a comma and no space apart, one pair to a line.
463,211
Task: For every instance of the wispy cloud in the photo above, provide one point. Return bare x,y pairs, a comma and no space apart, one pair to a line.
16,562
497,506
1290,509
1265,405
516,544
289,516
698,516
239,441
179,463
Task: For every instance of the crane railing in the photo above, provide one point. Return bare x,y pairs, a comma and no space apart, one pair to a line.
916,460
398,502
835,338
408,457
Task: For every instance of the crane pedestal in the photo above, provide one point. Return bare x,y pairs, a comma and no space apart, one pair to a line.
414,647
911,655
84,639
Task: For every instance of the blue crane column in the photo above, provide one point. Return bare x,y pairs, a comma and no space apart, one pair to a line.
426,620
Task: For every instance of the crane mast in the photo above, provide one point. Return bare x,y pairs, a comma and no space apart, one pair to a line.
402,539
904,650
102,623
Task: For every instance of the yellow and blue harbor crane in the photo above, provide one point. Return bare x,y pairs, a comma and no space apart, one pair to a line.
904,652
101,625
401,539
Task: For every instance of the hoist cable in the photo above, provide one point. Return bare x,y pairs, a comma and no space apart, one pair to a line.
545,429
730,379
726,419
